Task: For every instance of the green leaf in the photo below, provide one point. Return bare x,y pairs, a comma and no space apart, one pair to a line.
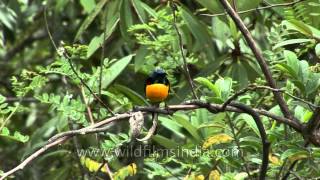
292,62
298,26
240,73
89,19
292,41
125,19
2,99
7,17
172,126
220,29
17,136
287,69
115,70
225,86
294,153
250,142
207,83
198,30
136,98
149,10
188,126
212,6
88,5
250,121
5,131
139,59
317,50
97,41
137,4
165,142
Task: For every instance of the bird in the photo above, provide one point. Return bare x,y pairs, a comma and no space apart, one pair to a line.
157,87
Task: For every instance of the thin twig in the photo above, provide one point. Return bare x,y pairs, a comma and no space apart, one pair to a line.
236,139
185,65
86,102
21,99
256,9
33,156
108,171
89,111
87,87
142,21
66,56
253,87
258,54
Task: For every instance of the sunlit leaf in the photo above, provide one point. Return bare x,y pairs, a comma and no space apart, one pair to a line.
90,18
216,139
114,71
125,172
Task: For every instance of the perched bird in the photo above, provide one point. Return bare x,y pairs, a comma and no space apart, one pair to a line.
157,88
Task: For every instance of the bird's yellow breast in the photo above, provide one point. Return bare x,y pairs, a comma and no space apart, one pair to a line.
157,92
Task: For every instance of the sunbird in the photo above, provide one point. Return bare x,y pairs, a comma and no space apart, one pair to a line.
157,88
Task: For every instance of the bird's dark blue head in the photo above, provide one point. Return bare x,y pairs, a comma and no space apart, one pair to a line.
158,72
158,76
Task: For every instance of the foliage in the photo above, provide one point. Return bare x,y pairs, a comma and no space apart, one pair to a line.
109,47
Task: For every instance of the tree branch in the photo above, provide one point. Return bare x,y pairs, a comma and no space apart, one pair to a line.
257,9
253,87
102,126
258,54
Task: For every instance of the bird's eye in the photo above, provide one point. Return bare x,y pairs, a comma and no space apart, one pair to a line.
148,82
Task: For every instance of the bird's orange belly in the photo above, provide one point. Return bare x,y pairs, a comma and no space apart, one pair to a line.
157,92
